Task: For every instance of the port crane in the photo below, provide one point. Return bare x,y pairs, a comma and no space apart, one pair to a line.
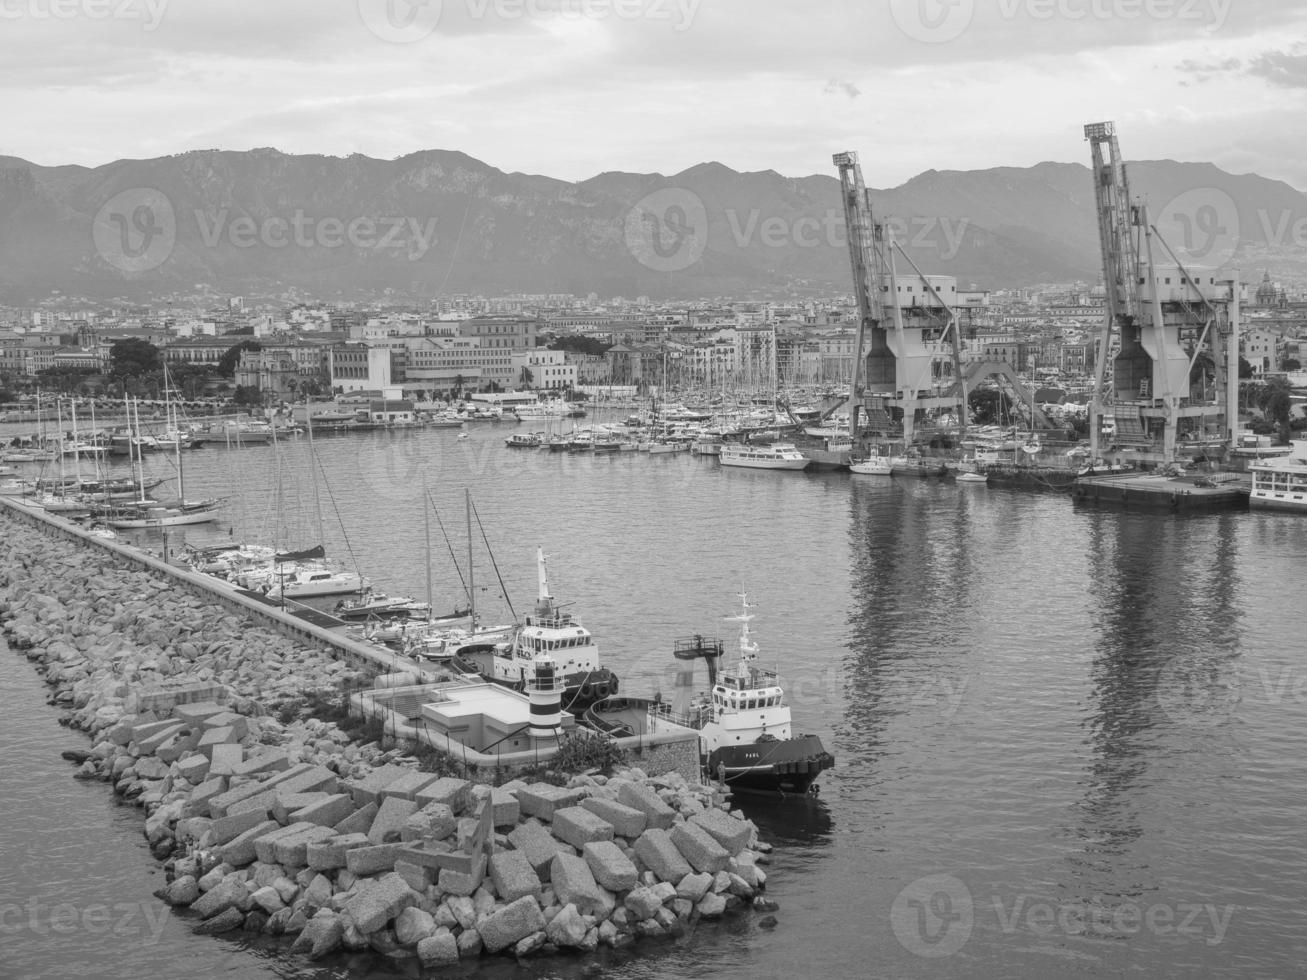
1160,319
907,352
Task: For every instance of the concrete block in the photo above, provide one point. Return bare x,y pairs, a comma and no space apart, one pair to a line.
538,845
458,882
198,805
292,852
656,852
287,803
271,760
432,855
215,737
228,719
223,757
241,851
454,793
196,713
263,847
408,784
229,828
419,878
329,854
513,876
360,821
640,797
372,908
543,799
327,812
699,848
510,924
145,730
150,744
194,769
368,789
578,826
371,859
574,884
732,834
611,868
626,821
177,746
391,814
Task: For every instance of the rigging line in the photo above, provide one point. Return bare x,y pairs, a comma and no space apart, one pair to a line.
495,565
450,546
349,549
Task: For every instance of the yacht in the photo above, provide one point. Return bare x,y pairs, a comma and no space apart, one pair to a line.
871,466
1281,482
308,582
774,456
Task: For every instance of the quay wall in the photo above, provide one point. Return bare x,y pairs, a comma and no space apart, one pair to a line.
360,657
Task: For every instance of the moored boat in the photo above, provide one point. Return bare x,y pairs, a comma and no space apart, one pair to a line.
1281,483
772,456
379,604
746,738
551,631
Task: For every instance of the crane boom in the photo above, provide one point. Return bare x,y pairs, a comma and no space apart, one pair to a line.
861,231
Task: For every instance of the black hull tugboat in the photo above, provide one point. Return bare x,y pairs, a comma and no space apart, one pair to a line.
745,737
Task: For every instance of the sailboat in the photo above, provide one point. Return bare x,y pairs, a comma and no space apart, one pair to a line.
305,574
147,514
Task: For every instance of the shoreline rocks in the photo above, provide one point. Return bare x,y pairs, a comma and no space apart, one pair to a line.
291,829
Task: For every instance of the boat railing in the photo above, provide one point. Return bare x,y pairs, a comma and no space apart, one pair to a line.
695,718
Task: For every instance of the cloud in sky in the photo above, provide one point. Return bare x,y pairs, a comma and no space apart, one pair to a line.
571,88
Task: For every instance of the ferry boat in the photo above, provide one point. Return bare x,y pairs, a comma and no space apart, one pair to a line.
1281,483
745,735
774,456
551,631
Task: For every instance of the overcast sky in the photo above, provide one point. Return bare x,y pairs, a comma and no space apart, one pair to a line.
571,88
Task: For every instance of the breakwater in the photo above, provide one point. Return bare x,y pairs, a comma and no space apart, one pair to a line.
285,826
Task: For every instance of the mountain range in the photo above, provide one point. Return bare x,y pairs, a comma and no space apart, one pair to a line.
265,223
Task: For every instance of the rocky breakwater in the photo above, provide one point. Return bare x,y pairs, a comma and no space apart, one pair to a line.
290,829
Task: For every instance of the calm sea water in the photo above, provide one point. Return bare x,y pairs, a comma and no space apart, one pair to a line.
1068,741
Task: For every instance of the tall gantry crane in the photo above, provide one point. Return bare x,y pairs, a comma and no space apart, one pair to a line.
1164,326
903,363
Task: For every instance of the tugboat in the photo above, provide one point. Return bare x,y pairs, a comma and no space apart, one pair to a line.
745,738
553,632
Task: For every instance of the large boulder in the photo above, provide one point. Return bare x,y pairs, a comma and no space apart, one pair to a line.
512,923
610,866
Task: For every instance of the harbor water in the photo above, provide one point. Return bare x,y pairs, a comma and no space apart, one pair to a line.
1068,741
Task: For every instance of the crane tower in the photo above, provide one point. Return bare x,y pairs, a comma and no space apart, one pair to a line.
907,355
1170,332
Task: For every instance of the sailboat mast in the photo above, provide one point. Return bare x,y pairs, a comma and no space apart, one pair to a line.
471,572
426,523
